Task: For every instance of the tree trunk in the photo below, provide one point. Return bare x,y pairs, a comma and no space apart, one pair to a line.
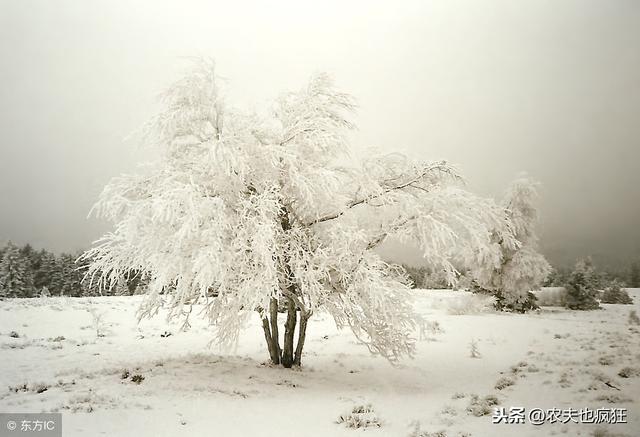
302,332
273,309
273,347
286,355
289,331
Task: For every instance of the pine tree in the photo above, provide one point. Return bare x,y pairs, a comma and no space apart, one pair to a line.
558,277
582,288
58,277
71,276
591,274
48,275
31,257
41,278
15,275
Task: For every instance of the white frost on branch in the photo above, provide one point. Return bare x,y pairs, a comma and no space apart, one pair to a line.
522,268
243,208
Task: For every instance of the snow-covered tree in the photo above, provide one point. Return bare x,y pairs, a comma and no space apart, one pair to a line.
69,276
592,276
31,257
615,292
15,276
248,212
43,275
522,268
582,288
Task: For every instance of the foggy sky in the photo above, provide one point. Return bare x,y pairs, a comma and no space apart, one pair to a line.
547,87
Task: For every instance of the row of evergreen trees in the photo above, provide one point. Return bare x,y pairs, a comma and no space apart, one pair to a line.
560,276
586,287
422,277
25,272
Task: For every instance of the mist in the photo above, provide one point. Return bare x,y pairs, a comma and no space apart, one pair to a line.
548,88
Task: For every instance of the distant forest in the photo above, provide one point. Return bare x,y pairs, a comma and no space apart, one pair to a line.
423,277
26,272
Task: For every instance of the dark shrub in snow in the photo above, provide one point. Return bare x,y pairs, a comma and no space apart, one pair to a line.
614,293
137,379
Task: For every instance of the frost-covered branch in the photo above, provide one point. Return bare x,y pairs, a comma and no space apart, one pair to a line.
426,173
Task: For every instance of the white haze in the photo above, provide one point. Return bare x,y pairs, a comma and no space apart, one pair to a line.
547,87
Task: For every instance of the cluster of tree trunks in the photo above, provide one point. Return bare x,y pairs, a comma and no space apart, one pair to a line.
286,355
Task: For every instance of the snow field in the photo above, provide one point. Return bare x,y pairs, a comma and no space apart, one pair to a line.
553,358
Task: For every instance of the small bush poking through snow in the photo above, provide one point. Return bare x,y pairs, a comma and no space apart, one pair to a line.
517,368
361,416
137,378
14,334
434,327
600,378
88,402
612,398
604,432
416,431
605,360
565,380
97,321
20,387
474,353
448,410
40,388
429,329
36,388
504,382
125,374
482,406
629,372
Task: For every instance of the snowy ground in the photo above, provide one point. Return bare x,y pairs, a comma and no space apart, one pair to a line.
555,359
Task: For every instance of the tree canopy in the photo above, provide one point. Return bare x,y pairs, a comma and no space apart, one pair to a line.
247,211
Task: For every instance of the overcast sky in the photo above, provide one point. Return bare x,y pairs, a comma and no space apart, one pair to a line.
499,87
